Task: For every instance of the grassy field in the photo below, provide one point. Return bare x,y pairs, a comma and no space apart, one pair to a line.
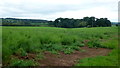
20,41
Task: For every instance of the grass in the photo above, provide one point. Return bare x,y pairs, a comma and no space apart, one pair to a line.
23,40
110,60
18,62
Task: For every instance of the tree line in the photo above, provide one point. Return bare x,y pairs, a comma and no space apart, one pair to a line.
22,22
85,22
59,22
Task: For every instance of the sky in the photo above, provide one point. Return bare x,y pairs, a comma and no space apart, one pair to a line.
53,9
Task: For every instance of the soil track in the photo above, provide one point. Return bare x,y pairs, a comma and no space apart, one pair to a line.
69,60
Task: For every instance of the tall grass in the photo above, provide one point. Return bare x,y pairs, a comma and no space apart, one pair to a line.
111,59
23,40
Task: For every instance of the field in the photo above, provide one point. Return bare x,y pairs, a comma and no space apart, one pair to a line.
46,46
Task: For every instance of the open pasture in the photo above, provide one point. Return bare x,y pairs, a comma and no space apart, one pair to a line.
30,46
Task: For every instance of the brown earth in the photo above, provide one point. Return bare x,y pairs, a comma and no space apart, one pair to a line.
69,60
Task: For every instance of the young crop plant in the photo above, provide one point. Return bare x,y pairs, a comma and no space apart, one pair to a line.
39,56
111,44
21,52
20,41
67,40
79,44
94,43
54,52
68,51
18,62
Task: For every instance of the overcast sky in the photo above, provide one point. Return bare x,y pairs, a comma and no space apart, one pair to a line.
52,9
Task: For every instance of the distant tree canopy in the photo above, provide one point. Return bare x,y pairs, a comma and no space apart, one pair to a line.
85,22
59,22
21,22
118,24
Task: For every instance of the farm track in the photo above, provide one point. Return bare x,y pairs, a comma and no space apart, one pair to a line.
69,60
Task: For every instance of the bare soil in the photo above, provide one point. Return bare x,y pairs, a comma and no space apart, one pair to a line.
69,60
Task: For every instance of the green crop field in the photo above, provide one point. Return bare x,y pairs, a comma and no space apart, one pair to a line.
21,41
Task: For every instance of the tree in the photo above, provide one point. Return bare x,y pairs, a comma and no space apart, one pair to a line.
103,22
83,24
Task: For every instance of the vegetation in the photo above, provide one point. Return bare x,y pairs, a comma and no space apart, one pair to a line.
85,22
20,41
23,22
17,62
111,43
110,60
59,22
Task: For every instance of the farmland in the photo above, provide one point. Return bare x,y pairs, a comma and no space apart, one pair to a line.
30,46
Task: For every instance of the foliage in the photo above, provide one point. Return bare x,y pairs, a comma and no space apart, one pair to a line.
23,22
24,40
59,22
17,62
99,61
110,44
21,52
39,56
110,60
85,22
94,43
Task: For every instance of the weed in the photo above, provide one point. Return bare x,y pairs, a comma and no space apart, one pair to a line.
17,62
39,56
17,40
94,43
21,52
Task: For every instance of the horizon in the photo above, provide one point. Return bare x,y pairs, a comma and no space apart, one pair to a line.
46,19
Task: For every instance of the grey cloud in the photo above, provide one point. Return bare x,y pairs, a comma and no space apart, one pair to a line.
25,9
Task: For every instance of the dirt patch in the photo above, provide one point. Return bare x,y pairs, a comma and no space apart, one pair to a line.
69,60
28,57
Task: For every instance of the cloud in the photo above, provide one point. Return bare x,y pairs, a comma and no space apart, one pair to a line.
52,9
